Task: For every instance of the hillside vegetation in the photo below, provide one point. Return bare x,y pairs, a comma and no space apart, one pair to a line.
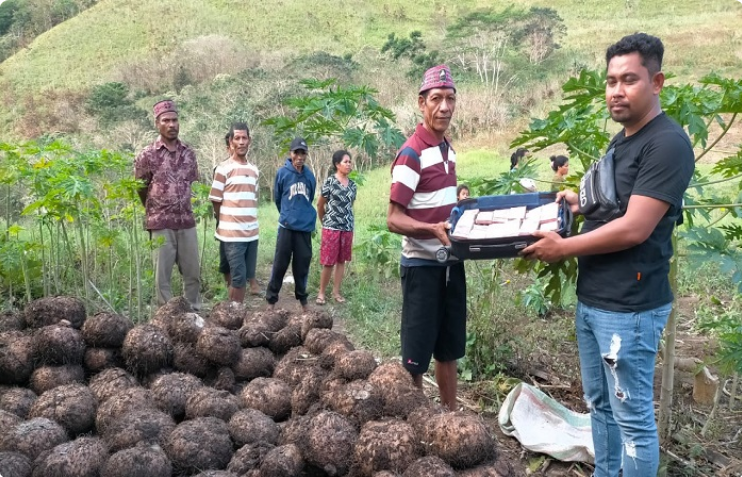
92,79
93,46
89,48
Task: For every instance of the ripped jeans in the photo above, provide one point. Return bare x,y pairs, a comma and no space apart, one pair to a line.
617,357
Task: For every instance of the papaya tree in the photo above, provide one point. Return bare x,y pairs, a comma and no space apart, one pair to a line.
333,115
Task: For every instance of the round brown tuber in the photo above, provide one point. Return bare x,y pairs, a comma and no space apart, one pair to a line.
140,461
357,364
258,362
82,457
459,438
146,350
248,458
15,464
199,444
127,400
33,437
209,402
58,344
329,444
228,314
71,405
111,381
17,401
429,466
294,366
250,426
106,330
170,392
51,310
386,445
49,377
16,357
219,346
270,396
282,461
148,426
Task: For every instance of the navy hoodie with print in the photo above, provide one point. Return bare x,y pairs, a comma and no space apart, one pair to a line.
293,193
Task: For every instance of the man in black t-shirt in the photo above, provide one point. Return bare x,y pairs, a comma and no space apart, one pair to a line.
623,290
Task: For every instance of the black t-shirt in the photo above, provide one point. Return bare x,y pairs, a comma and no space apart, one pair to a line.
655,162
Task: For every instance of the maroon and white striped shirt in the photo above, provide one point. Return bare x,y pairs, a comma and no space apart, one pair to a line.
424,183
236,187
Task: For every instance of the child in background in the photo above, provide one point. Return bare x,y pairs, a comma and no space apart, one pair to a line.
560,166
462,192
516,157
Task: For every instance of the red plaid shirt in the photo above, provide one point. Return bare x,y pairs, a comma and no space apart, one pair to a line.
168,175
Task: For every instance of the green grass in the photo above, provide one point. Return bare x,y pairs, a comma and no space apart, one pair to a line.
87,49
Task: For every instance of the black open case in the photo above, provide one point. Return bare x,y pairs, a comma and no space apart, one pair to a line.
501,247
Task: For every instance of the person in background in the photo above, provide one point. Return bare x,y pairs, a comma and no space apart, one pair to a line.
462,192
422,195
623,291
528,185
516,157
234,195
560,166
335,210
293,193
168,167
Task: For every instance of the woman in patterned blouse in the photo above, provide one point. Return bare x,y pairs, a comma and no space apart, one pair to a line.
335,209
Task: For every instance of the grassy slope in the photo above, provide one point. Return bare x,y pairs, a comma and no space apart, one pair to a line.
86,49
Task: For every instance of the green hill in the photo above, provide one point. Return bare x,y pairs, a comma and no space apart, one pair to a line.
87,49
269,45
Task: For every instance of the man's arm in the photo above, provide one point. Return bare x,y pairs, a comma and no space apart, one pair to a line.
141,172
641,218
277,191
217,207
398,222
321,202
216,195
142,191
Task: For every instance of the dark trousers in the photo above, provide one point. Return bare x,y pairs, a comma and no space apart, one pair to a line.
299,245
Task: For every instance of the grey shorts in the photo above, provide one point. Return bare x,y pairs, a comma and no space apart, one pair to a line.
242,258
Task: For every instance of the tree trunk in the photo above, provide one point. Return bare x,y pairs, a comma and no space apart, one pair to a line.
733,393
84,260
44,277
138,266
668,360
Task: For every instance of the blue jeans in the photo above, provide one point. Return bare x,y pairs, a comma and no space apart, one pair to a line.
617,356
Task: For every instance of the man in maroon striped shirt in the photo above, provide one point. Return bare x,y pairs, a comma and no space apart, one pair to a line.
422,195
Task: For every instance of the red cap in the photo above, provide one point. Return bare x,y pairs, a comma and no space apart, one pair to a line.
164,106
437,77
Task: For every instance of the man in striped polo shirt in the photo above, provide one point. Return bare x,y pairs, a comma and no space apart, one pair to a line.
422,195
234,195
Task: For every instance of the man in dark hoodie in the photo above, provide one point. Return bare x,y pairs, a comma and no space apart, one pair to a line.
293,192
